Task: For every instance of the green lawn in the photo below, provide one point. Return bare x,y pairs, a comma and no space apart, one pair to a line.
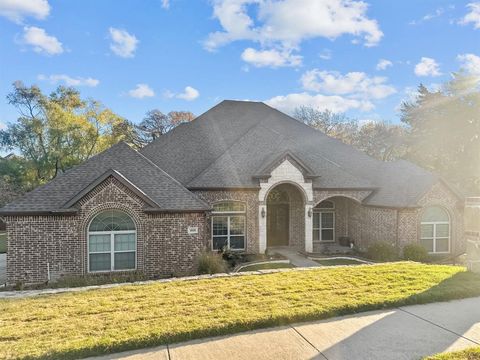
99,321
3,242
333,262
468,354
266,266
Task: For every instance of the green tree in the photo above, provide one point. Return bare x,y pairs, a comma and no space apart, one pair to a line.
445,130
58,131
381,140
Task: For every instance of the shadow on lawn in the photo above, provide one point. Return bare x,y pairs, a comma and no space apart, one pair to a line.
460,285
402,333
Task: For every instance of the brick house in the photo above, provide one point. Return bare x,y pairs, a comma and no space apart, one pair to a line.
243,176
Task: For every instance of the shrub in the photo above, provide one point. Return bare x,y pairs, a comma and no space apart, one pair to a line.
210,263
415,252
382,251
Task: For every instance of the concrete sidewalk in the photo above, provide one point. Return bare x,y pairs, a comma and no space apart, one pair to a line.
404,333
296,259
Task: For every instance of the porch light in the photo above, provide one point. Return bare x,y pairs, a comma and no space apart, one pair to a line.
309,212
263,212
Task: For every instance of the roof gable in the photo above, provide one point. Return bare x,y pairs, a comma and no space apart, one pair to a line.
266,169
160,191
236,142
120,178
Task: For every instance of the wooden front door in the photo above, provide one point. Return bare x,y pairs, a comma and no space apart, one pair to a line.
278,229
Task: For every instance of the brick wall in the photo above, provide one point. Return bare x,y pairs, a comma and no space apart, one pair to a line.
441,195
250,198
163,244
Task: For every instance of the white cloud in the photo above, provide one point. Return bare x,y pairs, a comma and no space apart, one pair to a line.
272,58
2,126
354,84
473,16
470,63
383,64
123,44
40,41
166,4
69,81
335,103
17,10
289,22
427,67
283,25
141,91
189,94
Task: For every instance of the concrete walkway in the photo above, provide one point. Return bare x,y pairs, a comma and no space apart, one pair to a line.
294,256
404,333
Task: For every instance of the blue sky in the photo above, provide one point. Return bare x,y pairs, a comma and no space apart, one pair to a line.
361,58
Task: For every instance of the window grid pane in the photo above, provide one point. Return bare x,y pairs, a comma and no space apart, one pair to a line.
124,261
99,243
124,242
237,225
100,262
237,242
428,244
220,225
228,232
435,230
324,226
426,231
327,220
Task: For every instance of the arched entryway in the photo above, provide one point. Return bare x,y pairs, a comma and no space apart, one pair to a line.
285,216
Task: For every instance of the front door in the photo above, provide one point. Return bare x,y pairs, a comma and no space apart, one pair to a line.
278,224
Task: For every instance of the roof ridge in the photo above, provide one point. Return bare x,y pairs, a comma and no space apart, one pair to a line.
172,178
227,150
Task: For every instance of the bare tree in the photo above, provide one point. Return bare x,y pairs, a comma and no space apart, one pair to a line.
155,124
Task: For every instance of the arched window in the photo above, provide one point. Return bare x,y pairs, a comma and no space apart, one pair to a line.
228,225
435,230
325,204
112,242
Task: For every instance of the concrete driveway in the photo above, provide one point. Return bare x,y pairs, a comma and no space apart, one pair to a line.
404,333
3,268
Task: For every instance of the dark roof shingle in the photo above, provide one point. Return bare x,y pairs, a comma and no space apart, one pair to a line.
148,178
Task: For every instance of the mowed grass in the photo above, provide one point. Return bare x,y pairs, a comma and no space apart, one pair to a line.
74,325
468,354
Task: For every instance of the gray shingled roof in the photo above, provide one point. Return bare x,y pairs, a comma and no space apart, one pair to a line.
225,147
160,190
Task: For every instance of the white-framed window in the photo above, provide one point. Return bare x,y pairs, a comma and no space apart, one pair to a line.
112,242
228,225
324,221
324,226
435,230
